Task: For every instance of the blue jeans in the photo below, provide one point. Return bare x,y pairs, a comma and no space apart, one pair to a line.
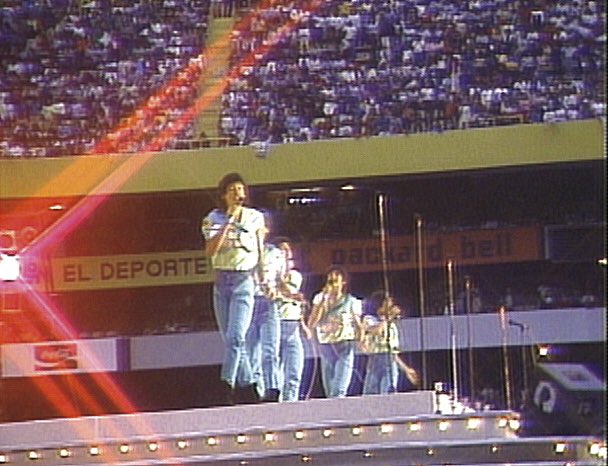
381,374
263,344
337,362
291,357
233,306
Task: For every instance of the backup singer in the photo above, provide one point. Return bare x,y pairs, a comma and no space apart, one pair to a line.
335,317
263,334
380,341
292,306
234,236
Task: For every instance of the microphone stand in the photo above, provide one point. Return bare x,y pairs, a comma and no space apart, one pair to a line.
505,356
383,255
467,284
421,294
524,364
524,370
382,221
450,271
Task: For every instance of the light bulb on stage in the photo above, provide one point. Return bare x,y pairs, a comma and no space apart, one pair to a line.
473,423
181,444
153,446
560,447
386,428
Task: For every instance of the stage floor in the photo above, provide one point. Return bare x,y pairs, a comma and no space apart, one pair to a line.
397,429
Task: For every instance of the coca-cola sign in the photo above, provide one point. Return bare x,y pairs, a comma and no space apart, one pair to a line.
63,357
56,357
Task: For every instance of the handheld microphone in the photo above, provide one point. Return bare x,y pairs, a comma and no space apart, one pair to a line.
232,220
239,227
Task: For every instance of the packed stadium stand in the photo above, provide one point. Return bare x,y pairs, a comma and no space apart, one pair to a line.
82,77
313,70
77,73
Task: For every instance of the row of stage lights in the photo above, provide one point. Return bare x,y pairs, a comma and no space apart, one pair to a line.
472,423
595,449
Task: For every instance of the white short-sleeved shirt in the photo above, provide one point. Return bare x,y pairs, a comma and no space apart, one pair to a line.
273,266
379,343
339,322
290,309
240,250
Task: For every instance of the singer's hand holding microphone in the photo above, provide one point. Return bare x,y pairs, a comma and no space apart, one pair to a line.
234,211
234,214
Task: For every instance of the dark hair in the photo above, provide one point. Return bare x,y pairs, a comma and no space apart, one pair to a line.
340,270
227,180
223,185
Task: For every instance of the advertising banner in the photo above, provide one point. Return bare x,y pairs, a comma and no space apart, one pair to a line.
466,247
68,357
130,271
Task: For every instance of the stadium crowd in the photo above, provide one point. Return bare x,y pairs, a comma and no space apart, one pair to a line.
87,76
80,77
367,68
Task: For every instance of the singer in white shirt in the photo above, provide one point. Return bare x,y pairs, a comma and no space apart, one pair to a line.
234,236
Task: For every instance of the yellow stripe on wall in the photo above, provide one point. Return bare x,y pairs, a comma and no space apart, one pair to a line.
334,159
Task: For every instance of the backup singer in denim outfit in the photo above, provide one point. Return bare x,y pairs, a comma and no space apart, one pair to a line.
335,316
292,305
380,340
234,243
263,333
